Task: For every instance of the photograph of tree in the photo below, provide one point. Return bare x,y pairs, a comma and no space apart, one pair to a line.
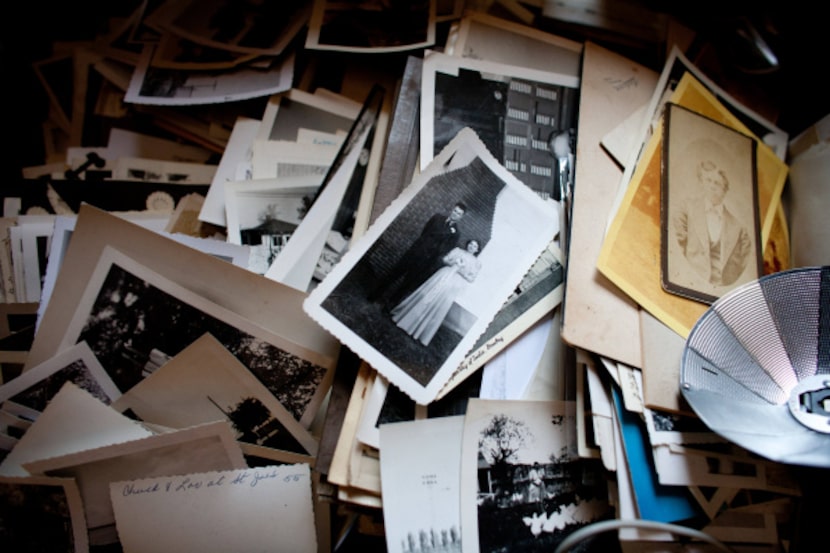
134,326
523,484
205,382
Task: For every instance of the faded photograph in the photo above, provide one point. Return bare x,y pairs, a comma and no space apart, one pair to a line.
711,232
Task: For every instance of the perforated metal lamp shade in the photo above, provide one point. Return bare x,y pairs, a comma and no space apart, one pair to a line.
756,367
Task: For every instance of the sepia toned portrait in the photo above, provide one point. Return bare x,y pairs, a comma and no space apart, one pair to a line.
709,210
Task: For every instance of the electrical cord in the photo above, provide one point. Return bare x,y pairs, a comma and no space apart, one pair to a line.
607,525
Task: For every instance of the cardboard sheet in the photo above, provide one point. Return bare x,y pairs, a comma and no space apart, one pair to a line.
597,315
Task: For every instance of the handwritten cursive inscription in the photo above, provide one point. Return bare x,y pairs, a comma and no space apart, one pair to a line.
468,362
190,483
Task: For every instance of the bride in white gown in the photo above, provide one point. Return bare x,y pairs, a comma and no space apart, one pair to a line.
421,313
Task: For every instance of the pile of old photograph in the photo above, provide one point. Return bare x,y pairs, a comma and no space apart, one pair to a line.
295,271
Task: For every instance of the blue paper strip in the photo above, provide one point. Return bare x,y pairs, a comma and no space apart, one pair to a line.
655,501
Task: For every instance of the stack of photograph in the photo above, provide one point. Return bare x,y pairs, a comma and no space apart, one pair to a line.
403,276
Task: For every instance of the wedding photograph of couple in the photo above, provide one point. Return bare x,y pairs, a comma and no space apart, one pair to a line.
419,288
412,301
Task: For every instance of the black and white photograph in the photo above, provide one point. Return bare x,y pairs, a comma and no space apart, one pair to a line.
28,394
179,87
156,221
421,461
371,25
411,276
540,288
134,320
40,513
286,114
250,27
263,214
416,291
205,382
324,235
709,217
526,117
523,486
293,356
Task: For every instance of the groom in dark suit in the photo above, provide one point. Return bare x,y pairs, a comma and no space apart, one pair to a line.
422,258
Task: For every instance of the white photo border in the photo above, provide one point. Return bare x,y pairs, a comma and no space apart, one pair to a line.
523,240
110,257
